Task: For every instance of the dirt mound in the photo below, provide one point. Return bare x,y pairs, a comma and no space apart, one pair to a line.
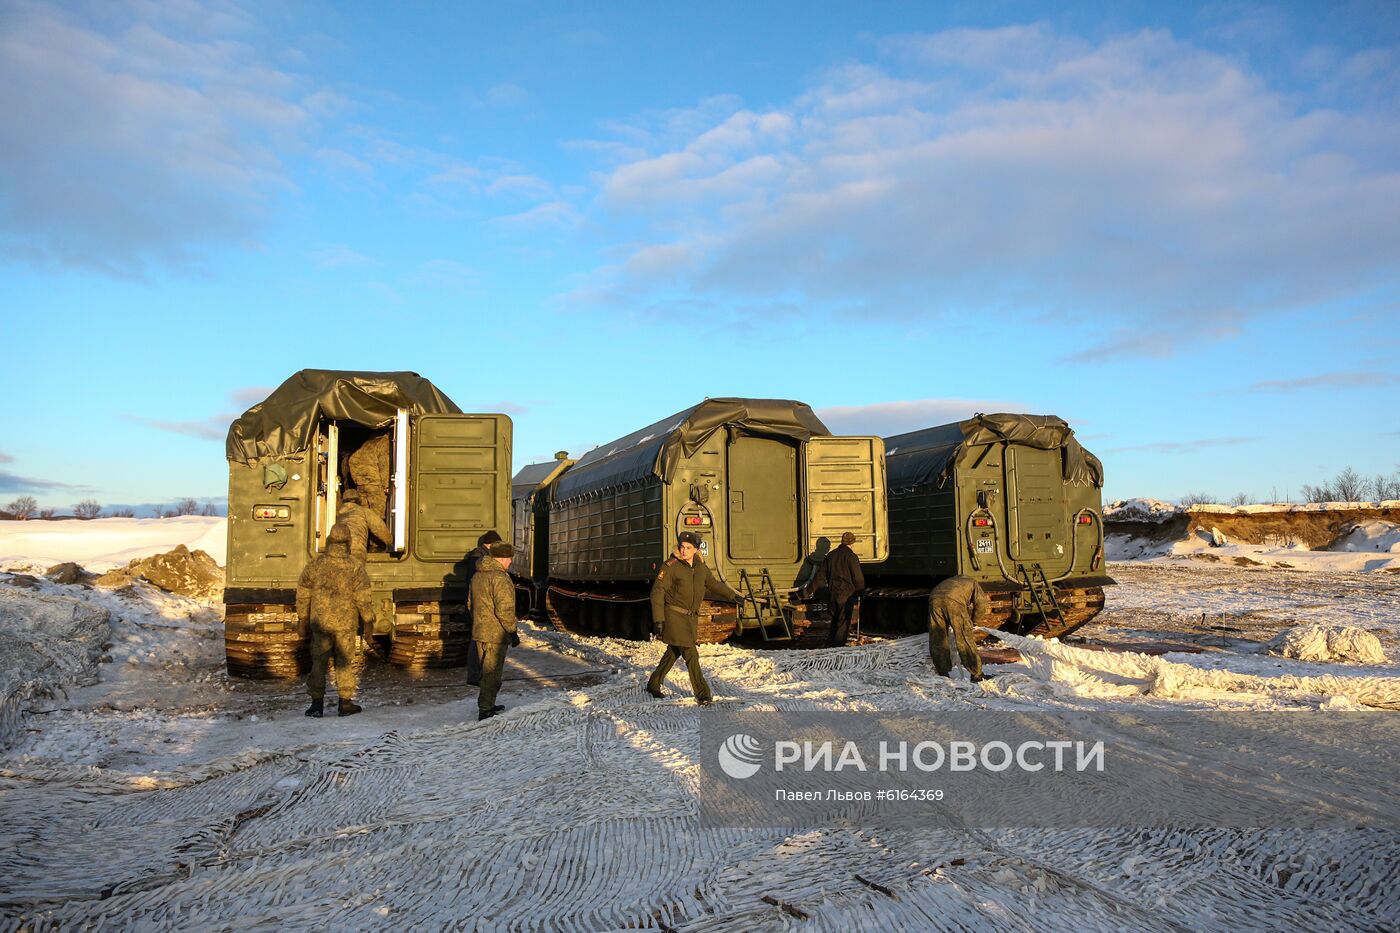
189,573
1137,530
1318,642
71,574
1312,529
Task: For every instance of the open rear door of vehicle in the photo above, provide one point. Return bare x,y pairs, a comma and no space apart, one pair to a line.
461,477
846,492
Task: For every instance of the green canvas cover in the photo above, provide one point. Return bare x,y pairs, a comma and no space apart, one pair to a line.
285,422
656,449
924,456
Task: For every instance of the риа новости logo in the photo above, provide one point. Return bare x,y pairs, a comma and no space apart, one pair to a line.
740,755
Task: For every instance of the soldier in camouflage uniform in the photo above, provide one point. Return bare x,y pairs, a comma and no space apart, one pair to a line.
369,468
680,587
493,623
333,595
362,523
961,604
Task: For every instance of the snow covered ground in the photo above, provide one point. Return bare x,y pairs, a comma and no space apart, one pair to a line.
167,797
104,543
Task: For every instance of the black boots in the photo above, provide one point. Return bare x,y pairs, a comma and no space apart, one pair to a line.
655,691
346,708
488,713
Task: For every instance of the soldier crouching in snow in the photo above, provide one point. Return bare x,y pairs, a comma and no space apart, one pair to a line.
333,595
961,604
493,622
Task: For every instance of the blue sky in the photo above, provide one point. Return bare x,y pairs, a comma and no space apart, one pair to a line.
1176,227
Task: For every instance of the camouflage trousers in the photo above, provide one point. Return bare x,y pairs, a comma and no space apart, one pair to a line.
941,618
493,662
375,500
691,656
326,643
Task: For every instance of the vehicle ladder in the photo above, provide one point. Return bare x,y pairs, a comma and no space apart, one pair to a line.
1042,593
759,606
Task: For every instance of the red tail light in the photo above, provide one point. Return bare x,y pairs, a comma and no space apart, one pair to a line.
1085,519
694,520
981,522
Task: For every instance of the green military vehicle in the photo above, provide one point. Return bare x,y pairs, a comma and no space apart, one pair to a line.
530,490
438,477
1010,500
762,482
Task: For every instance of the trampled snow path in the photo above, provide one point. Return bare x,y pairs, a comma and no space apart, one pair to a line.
578,812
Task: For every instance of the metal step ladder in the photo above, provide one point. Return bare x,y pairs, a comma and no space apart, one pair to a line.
1042,592
760,608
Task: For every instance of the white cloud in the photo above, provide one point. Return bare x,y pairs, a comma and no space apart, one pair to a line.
138,141
889,418
1140,187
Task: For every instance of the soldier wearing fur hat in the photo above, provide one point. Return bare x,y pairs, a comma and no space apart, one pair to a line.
493,622
680,587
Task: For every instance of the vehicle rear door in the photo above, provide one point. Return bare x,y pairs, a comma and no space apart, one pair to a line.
460,465
845,483
1035,504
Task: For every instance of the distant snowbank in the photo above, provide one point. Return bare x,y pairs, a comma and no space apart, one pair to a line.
105,543
1155,510
1338,536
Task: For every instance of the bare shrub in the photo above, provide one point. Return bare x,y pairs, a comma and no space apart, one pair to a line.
1241,498
1350,486
123,513
47,513
210,509
1196,498
88,508
186,507
1386,487
23,508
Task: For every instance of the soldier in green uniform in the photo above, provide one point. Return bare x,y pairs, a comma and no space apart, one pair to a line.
961,604
333,595
680,587
493,623
362,523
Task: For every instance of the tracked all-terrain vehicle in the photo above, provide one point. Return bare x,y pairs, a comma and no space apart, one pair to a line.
1013,501
440,477
763,484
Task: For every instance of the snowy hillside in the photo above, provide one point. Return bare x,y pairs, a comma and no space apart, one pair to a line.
104,543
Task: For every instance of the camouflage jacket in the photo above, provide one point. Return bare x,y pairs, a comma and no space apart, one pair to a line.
362,523
961,597
334,593
676,596
369,466
493,603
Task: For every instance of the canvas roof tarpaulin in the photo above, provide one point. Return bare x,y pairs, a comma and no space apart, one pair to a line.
285,422
656,449
924,456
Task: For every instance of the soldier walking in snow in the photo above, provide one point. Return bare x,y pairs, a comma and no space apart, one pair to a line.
333,595
680,587
493,623
958,603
